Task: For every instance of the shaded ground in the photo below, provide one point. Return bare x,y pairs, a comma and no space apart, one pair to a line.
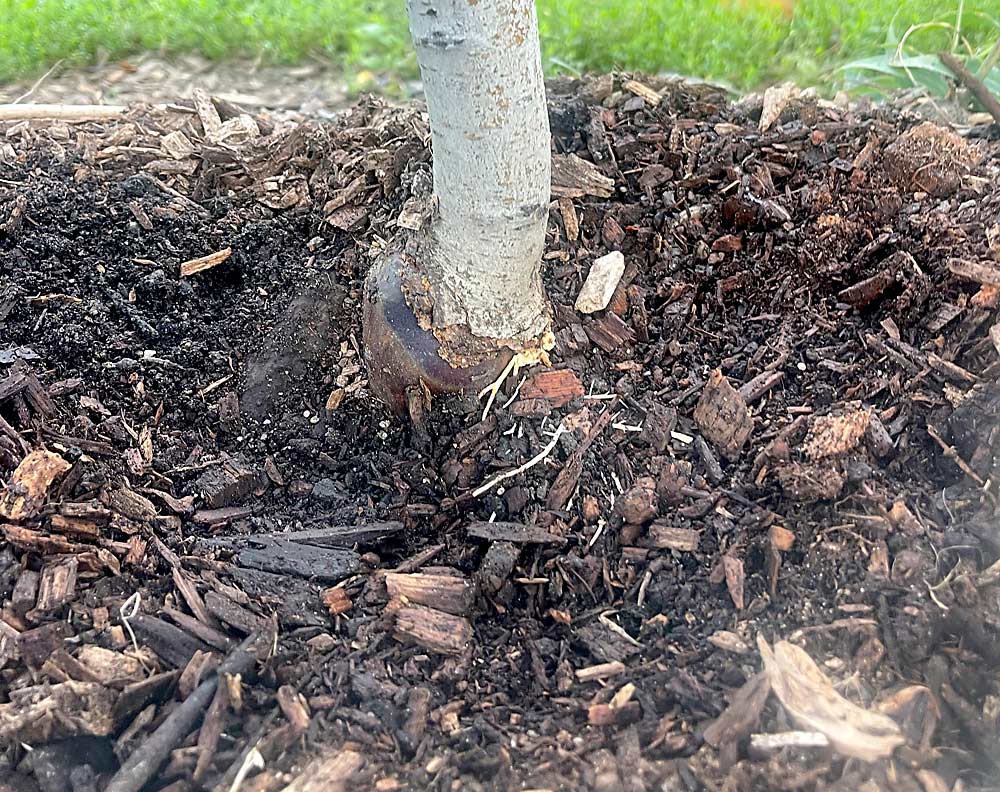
585,624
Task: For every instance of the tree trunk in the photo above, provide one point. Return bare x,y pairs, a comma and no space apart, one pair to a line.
482,76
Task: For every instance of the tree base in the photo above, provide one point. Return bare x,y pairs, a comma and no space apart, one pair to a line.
404,359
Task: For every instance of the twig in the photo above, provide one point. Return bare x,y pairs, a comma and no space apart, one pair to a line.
954,456
38,82
148,758
973,83
60,112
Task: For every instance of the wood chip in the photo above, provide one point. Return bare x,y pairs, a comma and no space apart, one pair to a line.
600,671
329,774
835,435
609,715
432,629
775,99
729,642
449,593
337,600
38,714
651,97
573,177
211,122
558,387
24,495
723,416
516,533
742,714
176,145
56,587
196,265
602,280
666,536
570,220
813,702
984,273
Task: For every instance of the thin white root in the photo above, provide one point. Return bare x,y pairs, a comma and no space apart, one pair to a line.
541,455
523,359
253,761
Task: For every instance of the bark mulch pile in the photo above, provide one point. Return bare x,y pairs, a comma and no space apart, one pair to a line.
741,535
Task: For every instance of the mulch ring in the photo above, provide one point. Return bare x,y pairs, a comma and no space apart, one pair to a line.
742,535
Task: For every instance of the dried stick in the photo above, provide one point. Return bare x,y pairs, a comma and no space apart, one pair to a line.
60,112
148,757
973,83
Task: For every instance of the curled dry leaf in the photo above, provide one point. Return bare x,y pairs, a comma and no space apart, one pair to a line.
833,435
808,696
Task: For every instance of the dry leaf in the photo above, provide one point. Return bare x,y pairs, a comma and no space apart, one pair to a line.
833,435
807,695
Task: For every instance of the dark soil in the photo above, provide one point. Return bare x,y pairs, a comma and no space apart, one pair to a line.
858,520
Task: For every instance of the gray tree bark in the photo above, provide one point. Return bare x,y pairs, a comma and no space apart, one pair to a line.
482,75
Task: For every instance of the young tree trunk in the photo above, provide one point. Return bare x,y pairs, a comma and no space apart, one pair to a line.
464,292
482,76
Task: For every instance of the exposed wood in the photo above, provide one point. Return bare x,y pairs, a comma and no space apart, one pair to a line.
666,536
41,713
751,391
449,593
22,599
202,263
602,280
56,587
199,629
293,706
600,671
171,644
573,177
651,97
742,714
343,535
432,629
229,482
269,553
25,493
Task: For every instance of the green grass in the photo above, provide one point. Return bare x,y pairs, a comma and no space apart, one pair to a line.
745,44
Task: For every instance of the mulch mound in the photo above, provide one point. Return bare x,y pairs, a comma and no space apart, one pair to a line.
742,534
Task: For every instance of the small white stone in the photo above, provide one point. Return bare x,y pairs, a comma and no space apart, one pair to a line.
602,280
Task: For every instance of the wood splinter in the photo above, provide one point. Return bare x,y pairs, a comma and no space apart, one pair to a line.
196,265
